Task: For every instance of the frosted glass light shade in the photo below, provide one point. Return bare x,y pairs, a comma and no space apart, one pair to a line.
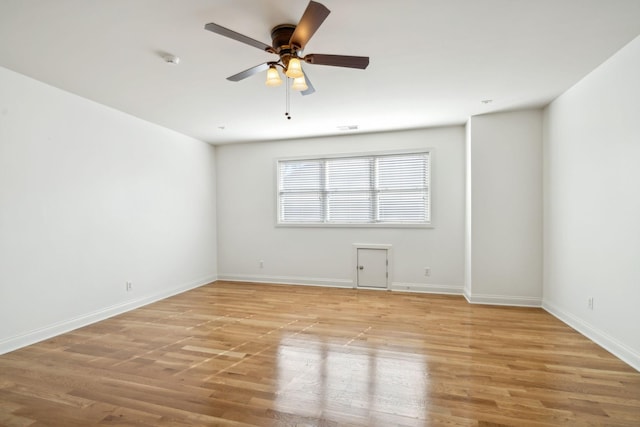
273,77
294,69
299,83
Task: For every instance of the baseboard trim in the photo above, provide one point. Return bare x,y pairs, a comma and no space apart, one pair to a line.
340,283
64,326
426,288
287,280
467,294
503,300
604,340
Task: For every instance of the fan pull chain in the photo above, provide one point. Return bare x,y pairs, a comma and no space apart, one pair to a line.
287,101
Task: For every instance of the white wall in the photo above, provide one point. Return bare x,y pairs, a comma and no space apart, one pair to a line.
246,217
91,198
592,205
504,216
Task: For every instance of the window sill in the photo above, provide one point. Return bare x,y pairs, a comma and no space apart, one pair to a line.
355,225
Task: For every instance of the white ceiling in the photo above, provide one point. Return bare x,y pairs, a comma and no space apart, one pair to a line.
432,61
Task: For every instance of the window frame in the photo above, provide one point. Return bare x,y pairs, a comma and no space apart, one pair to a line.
430,190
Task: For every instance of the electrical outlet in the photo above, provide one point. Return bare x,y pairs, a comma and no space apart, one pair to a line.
261,263
427,271
590,303
129,287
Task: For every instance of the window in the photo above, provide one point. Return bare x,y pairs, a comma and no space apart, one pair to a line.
386,189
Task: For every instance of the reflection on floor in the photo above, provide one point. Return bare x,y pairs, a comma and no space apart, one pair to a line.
318,377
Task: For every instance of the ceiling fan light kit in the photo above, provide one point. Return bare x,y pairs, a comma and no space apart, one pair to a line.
299,84
273,77
294,69
288,42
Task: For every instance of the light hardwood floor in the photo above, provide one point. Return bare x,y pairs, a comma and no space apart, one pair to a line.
236,354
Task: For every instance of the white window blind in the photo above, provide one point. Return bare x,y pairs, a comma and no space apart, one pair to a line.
374,189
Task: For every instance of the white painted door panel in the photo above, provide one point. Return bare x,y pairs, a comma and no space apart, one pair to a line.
372,268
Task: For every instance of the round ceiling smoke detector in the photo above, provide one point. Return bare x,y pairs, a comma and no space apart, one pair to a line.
172,59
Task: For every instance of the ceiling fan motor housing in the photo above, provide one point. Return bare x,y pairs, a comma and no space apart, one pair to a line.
280,36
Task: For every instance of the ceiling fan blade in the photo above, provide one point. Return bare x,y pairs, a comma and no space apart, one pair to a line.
313,16
215,28
360,62
310,89
248,73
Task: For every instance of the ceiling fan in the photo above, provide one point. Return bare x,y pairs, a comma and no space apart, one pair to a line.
288,42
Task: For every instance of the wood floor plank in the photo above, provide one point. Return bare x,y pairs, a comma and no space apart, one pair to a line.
242,354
